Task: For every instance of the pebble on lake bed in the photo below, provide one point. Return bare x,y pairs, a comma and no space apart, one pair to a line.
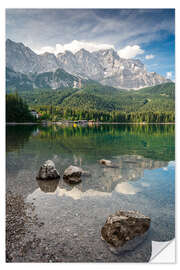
48,171
124,230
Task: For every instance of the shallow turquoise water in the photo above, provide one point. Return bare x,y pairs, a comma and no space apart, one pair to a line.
143,181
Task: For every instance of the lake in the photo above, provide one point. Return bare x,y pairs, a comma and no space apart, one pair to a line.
66,219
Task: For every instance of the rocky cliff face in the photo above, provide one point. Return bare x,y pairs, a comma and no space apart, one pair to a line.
17,81
46,80
24,60
104,66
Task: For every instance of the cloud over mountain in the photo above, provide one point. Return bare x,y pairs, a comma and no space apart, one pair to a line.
104,65
130,51
74,47
57,30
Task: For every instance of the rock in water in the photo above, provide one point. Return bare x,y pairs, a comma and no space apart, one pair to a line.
124,230
48,171
107,163
73,174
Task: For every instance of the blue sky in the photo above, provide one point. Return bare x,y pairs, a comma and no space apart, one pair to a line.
146,34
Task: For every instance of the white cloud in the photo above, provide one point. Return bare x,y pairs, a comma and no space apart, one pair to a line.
74,46
130,51
169,75
45,49
149,56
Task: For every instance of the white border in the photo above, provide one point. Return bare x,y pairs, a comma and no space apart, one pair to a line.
73,4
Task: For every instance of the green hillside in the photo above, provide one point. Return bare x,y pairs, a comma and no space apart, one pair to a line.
103,103
98,97
56,89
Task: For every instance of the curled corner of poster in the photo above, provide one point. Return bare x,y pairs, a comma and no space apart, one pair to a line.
163,252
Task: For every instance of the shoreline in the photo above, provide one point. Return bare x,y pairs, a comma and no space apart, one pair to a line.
87,124
16,123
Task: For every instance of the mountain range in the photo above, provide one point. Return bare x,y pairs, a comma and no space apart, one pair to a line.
27,70
46,80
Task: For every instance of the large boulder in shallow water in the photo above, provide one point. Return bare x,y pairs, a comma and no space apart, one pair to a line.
124,230
48,171
73,174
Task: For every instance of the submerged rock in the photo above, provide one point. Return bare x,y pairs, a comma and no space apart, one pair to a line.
48,171
124,230
73,174
108,163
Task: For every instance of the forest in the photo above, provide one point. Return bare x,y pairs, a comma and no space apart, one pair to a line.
17,110
56,113
96,102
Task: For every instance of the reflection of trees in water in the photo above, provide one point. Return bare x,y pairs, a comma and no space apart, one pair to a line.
151,141
77,145
17,136
136,147
18,164
107,129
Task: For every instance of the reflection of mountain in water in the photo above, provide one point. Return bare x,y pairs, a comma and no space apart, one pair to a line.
130,168
134,161
83,210
133,147
102,179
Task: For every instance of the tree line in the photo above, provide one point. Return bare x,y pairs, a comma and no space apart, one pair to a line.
17,110
56,113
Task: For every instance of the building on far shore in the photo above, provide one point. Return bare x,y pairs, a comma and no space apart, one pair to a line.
34,113
91,122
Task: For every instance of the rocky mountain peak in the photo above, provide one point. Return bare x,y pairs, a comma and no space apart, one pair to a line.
67,53
104,66
82,52
48,54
